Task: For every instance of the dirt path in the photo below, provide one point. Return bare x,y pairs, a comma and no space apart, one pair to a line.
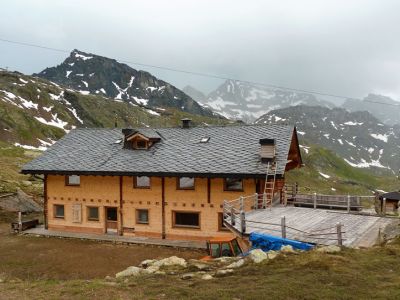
33,258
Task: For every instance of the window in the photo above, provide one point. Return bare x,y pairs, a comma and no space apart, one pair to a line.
93,213
233,184
221,225
215,250
226,250
142,182
186,219
74,180
141,144
59,211
186,183
142,216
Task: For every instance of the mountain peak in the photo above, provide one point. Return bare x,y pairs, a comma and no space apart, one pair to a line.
94,74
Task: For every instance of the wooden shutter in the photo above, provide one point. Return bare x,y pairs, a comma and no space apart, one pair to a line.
76,213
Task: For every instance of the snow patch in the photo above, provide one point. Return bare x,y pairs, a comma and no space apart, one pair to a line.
378,136
324,175
83,57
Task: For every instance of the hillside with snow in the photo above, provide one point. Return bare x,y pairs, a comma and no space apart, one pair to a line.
358,137
98,75
34,112
247,102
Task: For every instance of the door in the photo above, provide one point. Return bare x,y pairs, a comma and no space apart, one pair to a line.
111,220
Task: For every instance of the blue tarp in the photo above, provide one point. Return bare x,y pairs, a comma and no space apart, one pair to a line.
268,242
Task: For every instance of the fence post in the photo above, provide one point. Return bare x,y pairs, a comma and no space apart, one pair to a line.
242,222
315,200
255,201
264,200
339,234
232,216
283,226
384,207
20,221
348,203
241,203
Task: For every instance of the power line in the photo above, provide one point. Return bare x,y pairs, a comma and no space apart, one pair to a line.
207,75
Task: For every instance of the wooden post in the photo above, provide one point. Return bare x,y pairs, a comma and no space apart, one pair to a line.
283,226
19,221
348,203
264,204
255,201
339,234
315,200
232,216
242,222
163,227
241,203
384,207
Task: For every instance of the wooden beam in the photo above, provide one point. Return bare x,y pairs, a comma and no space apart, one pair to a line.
121,231
208,190
163,234
45,203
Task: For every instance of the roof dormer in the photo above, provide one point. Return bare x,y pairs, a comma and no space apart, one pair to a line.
267,152
140,139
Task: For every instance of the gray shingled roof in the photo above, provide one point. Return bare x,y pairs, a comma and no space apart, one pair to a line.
231,150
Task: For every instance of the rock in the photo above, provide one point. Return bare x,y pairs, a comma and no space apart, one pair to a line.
207,277
26,183
109,278
200,266
225,259
287,249
147,262
224,272
130,271
272,254
329,249
187,276
171,261
159,273
151,269
257,255
236,264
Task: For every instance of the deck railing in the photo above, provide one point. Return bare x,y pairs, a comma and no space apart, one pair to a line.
329,201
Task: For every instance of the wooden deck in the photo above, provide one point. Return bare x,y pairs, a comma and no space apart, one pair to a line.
359,230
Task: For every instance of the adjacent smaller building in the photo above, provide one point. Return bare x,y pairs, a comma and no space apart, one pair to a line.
165,183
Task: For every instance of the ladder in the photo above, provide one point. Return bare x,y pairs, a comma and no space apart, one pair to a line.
269,187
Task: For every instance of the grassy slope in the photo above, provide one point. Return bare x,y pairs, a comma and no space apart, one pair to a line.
351,274
344,178
11,160
95,111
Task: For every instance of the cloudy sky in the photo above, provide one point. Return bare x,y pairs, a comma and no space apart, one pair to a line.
346,47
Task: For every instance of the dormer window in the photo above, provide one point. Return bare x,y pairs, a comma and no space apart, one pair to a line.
141,139
140,144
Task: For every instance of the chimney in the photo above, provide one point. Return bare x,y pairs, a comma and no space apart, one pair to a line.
186,123
267,152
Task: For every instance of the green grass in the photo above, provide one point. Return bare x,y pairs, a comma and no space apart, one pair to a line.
344,178
351,274
11,160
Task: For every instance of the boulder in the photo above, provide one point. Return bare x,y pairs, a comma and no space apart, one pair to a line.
329,249
272,254
207,277
151,269
236,264
26,183
225,259
171,261
257,255
224,272
187,276
287,249
147,262
130,271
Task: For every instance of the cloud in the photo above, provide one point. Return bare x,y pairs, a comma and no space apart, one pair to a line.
342,47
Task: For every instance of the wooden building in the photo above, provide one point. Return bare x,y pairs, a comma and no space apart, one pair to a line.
164,183
389,202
